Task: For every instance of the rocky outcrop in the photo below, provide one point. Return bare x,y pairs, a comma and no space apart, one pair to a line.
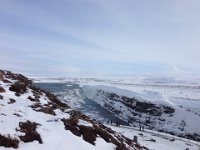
153,115
136,108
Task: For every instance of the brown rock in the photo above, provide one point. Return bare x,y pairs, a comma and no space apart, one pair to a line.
2,89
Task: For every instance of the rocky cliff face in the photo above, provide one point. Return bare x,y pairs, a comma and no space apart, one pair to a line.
151,114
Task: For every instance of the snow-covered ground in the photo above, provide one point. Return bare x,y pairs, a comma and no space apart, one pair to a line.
53,134
158,141
37,120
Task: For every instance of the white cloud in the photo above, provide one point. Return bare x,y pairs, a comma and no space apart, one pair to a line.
86,33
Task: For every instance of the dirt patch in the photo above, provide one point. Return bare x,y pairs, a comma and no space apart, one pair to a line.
47,110
2,90
29,128
74,129
33,99
72,123
1,76
16,114
2,114
55,100
8,141
17,94
35,106
6,81
18,87
19,77
90,134
11,101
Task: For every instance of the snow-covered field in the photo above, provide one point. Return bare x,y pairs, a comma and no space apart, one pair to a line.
158,141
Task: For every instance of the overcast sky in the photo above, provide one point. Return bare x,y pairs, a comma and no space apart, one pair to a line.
58,38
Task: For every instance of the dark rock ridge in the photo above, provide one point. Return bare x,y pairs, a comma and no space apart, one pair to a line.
140,106
137,108
136,111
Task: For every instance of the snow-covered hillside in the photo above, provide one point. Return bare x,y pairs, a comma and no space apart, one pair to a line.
31,118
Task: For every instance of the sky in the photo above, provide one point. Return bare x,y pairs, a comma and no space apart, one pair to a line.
66,38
